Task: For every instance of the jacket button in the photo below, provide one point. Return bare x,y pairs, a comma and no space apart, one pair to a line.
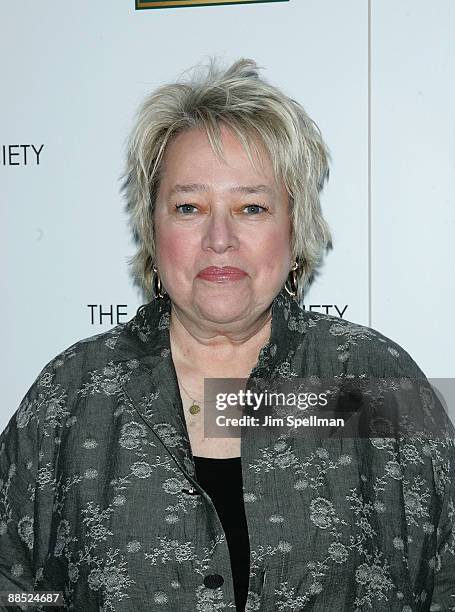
213,581
190,491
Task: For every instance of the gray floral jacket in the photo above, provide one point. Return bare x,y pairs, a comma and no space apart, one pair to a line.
98,496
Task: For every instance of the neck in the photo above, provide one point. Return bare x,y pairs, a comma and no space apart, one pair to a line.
211,351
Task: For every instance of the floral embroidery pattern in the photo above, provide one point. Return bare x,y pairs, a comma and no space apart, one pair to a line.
98,493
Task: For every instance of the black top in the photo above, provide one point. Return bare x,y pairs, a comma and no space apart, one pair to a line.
222,480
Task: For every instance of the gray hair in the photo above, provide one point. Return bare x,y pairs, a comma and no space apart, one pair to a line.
239,98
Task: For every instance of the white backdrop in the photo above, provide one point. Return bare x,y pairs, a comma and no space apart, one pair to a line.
376,76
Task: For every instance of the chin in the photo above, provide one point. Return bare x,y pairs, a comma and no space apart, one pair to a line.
225,306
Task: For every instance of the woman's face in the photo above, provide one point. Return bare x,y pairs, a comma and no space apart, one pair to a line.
210,215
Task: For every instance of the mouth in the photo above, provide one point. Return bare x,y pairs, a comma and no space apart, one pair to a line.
221,274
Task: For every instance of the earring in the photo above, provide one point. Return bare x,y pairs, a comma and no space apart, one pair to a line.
291,284
158,291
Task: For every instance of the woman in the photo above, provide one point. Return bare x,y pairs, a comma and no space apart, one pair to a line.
110,491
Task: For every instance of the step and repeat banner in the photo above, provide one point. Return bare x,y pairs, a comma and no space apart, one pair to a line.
377,78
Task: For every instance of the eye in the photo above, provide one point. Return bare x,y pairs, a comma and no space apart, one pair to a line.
185,209
254,209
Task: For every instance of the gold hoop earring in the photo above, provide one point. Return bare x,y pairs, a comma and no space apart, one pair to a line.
157,287
291,284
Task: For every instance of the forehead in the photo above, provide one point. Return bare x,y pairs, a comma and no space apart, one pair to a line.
190,158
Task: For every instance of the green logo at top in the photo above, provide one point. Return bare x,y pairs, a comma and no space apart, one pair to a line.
150,4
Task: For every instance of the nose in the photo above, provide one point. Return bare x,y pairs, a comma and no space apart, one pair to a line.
219,232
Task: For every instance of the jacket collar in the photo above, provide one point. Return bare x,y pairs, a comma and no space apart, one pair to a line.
151,386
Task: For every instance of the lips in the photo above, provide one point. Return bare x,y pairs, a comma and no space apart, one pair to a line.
221,274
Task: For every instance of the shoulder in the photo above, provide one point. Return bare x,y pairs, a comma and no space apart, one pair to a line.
59,382
356,346
94,367
52,402
84,354
365,352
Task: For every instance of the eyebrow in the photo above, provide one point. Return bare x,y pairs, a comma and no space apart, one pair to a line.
193,187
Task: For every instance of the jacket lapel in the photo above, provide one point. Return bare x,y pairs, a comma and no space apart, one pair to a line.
151,387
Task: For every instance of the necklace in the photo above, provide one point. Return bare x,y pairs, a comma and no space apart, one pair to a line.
194,408
196,405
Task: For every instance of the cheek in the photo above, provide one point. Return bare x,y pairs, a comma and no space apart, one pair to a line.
274,249
173,246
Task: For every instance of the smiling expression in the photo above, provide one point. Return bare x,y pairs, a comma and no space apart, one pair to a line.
222,230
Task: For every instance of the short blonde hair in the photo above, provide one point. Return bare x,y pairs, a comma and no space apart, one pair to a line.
239,98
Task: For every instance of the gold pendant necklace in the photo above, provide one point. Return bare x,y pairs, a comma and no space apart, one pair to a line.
194,408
